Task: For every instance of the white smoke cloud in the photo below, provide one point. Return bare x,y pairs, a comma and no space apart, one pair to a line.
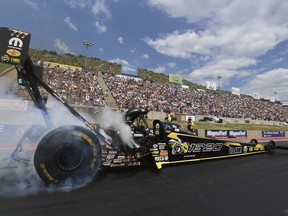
18,176
115,120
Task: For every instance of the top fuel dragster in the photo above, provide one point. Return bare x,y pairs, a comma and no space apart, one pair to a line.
74,152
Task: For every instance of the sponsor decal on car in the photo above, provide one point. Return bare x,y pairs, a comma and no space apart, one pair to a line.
189,156
106,163
110,156
161,146
155,152
163,153
161,158
182,148
235,150
245,149
117,160
126,160
13,52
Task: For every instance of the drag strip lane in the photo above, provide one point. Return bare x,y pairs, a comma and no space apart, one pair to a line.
252,185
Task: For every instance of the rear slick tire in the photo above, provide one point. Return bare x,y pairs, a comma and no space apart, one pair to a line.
68,155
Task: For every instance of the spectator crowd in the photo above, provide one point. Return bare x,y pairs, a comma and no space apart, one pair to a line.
82,88
131,92
74,86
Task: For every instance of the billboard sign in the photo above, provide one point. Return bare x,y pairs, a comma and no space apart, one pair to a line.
175,78
129,70
273,133
235,91
211,85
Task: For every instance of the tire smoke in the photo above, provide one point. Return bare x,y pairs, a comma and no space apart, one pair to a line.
17,173
115,120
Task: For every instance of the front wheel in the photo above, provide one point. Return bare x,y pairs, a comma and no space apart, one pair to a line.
270,147
68,155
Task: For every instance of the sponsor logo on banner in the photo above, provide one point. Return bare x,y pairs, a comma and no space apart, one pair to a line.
237,133
273,133
216,133
225,133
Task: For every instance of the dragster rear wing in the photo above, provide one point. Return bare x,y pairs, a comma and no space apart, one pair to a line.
14,47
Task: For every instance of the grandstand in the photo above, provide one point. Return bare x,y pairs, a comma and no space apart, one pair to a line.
102,87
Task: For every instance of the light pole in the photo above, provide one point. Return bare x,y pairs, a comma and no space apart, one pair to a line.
219,81
275,93
87,44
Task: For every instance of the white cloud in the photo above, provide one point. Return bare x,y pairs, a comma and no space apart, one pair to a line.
78,3
277,60
101,28
119,61
171,64
192,10
184,44
269,82
226,36
32,4
101,12
227,68
158,69
145,56
101,9
120,40
61,46
70,24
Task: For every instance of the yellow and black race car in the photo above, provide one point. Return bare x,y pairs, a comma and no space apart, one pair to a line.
73,153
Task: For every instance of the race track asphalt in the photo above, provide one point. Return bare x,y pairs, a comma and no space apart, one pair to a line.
251,186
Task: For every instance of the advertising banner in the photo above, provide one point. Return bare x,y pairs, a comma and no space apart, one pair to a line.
175,78
211,85
216,133
64,66
226,133
237,133
129,70
235,91
273,133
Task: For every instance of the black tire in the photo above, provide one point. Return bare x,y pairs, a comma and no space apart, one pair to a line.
68,155
270,147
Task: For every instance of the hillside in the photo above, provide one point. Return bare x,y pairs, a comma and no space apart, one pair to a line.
97,64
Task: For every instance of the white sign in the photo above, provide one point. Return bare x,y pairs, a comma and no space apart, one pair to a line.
211,85
193,118
256,95
235,91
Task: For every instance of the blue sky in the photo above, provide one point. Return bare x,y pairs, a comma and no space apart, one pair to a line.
243,41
